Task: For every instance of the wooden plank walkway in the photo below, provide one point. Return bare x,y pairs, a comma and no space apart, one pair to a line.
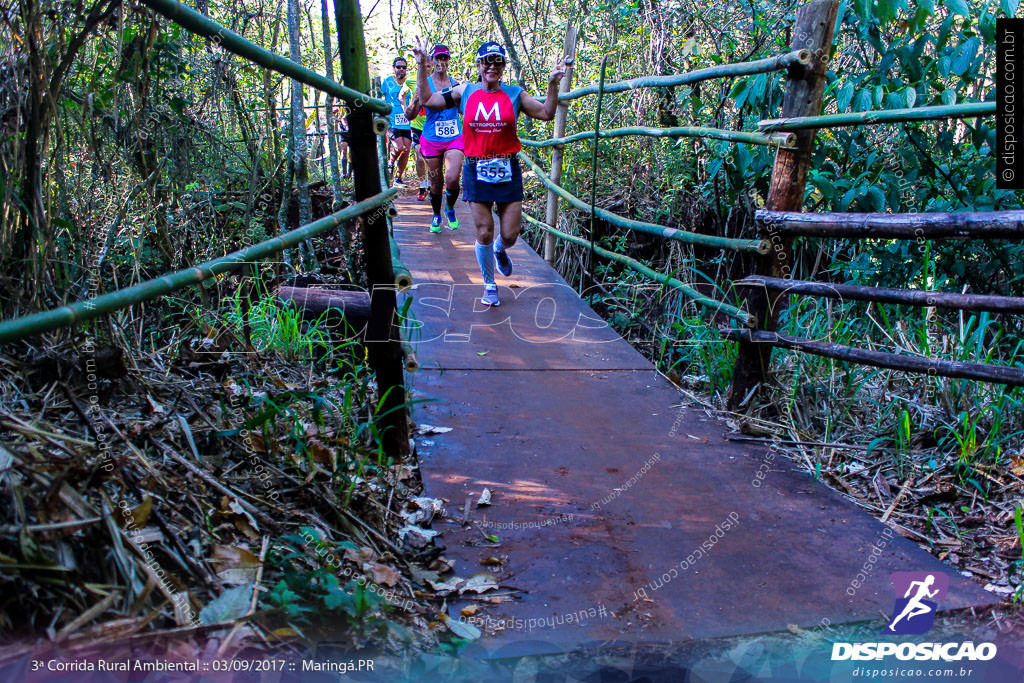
613,501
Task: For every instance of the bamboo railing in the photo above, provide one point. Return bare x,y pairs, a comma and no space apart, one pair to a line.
755,246
82,311
199,24
781,220
707,302
782,139
758,66
384,271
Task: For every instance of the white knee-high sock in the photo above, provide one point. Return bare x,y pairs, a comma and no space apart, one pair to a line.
485,257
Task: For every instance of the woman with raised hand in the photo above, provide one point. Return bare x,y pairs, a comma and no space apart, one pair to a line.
491,175
442,139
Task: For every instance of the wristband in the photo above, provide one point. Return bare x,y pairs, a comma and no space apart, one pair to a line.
448,99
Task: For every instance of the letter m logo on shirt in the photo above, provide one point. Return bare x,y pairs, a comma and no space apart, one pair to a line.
485,115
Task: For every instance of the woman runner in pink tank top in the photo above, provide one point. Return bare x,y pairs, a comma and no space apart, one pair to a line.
491,175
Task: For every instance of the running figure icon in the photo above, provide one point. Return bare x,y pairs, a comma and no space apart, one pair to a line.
916,605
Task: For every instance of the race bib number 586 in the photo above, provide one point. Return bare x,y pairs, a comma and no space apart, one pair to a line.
446,129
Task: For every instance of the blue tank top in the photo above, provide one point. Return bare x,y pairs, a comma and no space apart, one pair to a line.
392,90
442,125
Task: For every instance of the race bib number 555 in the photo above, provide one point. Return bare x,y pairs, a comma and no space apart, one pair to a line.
494,170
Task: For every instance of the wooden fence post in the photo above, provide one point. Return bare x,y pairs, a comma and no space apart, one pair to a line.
561,113
382,340
805,85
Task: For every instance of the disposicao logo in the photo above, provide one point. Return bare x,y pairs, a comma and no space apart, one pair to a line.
913,613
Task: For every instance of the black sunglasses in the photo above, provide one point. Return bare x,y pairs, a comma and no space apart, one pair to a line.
494,59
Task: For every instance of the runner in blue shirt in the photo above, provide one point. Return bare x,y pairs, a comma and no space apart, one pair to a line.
400,132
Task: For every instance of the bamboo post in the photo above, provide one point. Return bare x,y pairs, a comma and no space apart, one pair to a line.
805,85
561,113
595,232
382,340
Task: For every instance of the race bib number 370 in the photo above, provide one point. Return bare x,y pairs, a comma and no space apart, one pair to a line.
400,119
446,129
494,170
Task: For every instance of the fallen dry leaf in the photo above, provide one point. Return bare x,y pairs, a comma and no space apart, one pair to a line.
381,574
234,565
360,556
479,583
426,430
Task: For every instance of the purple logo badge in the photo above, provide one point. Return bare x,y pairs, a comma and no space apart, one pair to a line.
914,612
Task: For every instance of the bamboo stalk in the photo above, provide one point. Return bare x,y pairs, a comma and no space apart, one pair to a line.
757,66
196,23
383,347
974,225
561,114
403,278
697,297
411,364
756,246
881,359
81,311
654,132
870,118
889,295
596,230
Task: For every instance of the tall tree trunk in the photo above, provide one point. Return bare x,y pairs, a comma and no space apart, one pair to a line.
34,227
297,149
270,103
332,143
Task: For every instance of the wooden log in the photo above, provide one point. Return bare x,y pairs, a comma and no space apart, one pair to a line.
805,86
336,307
983,372
889,295
965,225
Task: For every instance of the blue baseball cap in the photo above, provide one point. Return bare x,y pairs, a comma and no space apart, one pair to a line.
489,49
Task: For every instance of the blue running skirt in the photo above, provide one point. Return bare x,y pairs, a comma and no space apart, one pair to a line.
475,191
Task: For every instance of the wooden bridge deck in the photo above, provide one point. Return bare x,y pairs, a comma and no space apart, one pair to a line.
612,502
